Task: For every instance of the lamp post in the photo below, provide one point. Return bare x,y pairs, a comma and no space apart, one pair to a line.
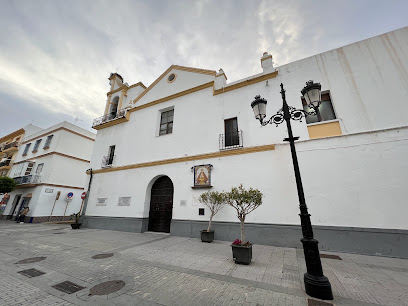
316,284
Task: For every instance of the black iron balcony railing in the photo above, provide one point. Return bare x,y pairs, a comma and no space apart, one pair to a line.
231,140
109,117
107,161
5,163
28,179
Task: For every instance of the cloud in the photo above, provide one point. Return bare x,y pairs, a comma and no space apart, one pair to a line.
56,55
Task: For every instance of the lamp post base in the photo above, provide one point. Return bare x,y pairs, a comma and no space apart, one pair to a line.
318,287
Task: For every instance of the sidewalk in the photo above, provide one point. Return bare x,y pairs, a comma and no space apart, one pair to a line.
158,269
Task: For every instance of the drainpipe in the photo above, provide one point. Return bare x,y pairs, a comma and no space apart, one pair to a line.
87,194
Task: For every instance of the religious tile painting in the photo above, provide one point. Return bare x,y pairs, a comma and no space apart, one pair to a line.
202,175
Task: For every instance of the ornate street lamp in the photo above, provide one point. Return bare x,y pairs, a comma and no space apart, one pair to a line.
316,284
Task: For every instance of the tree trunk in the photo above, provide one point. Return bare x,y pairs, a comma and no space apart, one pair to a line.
209,223
242,232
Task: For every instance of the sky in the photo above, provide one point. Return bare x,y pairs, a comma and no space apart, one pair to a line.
56,56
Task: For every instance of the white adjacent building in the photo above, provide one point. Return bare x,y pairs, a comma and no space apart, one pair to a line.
353,162
50,164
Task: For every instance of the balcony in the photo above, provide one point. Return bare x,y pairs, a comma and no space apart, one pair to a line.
10,148
28,179
107,120
107,161
5,165
231,141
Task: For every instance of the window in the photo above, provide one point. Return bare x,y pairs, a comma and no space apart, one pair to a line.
18,169
325,111
48,142
37,144
231,132
166,122
27,147
111,155
29,168
171,78
39,168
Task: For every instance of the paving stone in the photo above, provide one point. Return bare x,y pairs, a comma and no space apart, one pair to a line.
167,270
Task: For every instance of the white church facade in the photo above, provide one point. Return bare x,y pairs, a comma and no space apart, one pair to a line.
154,142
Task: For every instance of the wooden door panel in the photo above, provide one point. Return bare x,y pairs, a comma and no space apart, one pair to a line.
161,205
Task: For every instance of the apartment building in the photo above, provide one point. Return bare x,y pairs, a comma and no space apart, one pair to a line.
50,165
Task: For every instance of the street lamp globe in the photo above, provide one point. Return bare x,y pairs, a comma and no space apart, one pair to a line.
312,94
259,107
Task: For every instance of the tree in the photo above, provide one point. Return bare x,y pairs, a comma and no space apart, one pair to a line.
244,201
6,184
214,200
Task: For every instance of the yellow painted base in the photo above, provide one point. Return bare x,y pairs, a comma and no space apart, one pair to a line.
324,129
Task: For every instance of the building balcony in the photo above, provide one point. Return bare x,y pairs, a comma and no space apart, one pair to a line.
10,148
107,120
5,165
107,161
231,141
28,180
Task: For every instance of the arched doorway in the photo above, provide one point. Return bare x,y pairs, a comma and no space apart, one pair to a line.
161,205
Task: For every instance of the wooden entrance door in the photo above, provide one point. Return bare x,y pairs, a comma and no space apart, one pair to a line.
161,205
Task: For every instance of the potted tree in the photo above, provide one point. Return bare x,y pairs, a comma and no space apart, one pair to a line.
244,201
76,217
214,200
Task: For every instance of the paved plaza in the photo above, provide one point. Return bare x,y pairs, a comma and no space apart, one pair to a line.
51,264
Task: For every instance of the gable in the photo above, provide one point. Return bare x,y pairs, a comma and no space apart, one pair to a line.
185,78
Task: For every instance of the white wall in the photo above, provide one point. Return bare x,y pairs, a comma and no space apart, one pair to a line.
353,180
348,181
46,202
66,171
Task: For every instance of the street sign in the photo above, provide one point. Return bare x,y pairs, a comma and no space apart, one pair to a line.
58,195
83,195
70,194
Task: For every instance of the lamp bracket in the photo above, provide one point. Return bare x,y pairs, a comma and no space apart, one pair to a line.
294,114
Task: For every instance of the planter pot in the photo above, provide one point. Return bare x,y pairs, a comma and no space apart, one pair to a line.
242,254
207,236
75,225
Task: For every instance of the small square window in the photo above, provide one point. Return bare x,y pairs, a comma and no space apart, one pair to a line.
201,211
